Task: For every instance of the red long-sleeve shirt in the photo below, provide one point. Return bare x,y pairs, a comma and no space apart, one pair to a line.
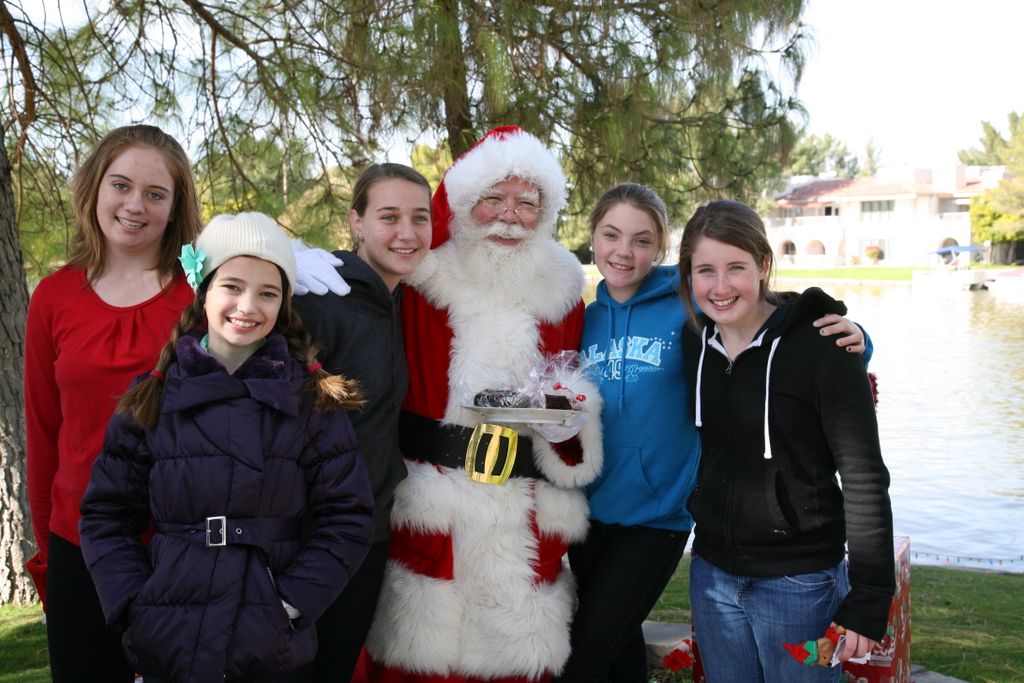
80,356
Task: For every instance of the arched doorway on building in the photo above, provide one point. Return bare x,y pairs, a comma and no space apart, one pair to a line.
945,254
814,253
787,253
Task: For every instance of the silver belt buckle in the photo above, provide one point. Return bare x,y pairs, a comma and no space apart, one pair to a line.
223,532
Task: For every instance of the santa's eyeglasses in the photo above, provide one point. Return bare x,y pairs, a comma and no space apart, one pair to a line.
497,206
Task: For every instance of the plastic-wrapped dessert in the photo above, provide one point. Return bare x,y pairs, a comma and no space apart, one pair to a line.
559,402
547,388
501,398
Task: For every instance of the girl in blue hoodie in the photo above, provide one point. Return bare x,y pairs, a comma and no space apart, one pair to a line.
639,522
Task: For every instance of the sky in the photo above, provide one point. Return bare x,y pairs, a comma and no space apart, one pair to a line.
917,77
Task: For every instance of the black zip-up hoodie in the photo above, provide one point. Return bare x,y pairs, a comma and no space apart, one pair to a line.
773,506
360,336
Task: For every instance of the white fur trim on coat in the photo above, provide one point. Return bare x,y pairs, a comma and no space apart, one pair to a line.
436,500
423,626
569,476
553,283
494,618
519,155
495,326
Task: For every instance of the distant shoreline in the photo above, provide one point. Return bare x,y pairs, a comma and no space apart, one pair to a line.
842,281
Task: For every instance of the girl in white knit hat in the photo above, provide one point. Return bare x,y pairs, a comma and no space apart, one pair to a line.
237,450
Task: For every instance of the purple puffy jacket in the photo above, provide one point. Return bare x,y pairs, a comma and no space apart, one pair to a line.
254,498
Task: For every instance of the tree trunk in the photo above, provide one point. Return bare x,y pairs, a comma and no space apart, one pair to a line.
16,544
452,61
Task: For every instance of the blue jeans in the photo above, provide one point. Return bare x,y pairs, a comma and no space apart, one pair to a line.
741,622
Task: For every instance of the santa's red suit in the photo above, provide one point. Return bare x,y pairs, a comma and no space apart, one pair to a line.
476,587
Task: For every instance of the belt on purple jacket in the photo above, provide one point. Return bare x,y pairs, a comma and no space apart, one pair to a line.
220,530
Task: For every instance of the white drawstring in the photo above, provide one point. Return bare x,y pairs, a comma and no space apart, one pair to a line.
767,386
700,368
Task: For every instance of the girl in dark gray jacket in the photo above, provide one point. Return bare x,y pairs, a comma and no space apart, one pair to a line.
360,336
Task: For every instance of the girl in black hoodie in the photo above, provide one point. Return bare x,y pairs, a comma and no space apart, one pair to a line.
781,410
360,335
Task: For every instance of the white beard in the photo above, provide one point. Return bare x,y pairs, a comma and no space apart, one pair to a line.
492,265
470,275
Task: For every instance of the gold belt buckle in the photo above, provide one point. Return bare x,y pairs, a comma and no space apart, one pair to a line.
498,435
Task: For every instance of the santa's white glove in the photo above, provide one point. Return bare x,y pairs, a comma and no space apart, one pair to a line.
315,271
562,431
293,613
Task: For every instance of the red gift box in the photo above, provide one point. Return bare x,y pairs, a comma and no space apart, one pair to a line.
890,658
698,666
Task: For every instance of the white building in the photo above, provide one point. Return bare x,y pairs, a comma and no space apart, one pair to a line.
907,213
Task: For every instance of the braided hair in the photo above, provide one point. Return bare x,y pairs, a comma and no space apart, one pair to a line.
143,400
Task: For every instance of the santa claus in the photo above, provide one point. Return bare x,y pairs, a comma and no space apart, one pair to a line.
476,587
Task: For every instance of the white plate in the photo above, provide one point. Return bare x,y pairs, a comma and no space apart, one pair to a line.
523,415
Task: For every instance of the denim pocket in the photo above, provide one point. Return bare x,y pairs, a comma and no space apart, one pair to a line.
813,580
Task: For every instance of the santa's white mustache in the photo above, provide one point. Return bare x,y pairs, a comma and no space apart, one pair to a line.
507,231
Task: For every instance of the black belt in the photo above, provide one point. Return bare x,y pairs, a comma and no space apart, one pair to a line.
219,531
422,438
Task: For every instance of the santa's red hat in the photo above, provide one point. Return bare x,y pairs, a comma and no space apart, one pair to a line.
503,152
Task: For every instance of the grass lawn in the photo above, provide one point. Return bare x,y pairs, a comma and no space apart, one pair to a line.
23,645
964,624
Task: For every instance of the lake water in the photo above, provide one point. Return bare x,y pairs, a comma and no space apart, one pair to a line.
950,367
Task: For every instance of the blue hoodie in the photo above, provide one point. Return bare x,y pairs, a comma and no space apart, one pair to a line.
651,446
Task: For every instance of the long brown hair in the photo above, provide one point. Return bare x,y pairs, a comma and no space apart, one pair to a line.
730,222
143,400
88,249
640,197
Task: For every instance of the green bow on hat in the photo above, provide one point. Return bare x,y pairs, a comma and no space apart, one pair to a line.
192,262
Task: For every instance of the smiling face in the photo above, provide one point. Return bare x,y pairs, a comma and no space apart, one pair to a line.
242,304
625,242
134,202
394,230
728,285
508,212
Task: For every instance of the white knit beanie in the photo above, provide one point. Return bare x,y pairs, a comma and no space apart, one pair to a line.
245,234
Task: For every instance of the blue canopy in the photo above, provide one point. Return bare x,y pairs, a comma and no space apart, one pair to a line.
956,249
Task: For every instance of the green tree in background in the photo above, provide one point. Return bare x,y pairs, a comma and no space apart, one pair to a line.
872,159
822,156
994,149
680,96
273,176
280,103
432,162
997,215
685,97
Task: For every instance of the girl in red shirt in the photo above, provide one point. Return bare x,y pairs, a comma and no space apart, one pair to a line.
93,326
